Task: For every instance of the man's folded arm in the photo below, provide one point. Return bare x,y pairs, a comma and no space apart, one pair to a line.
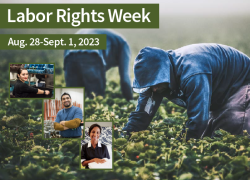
74,123
58,126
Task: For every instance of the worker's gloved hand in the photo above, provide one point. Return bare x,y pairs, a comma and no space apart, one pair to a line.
187,134
138,121
126,134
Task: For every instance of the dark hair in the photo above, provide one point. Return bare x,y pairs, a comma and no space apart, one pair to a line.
65,93
19,70
94,125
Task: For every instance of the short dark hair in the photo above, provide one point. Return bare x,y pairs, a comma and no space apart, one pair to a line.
19,71
94,125
65,93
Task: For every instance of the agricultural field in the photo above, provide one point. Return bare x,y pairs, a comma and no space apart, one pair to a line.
151,154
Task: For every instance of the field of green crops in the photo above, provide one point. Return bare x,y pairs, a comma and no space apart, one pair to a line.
151,154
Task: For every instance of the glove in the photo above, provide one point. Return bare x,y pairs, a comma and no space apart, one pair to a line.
138,121
74,123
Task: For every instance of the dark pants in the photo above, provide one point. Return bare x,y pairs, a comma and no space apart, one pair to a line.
233,116
85,70
71,137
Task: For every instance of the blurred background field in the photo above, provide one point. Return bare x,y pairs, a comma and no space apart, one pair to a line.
149,155
174,32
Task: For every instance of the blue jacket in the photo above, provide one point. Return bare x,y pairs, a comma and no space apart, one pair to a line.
117,53
201,78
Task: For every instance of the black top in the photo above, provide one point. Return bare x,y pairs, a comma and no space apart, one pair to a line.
22,90
89,153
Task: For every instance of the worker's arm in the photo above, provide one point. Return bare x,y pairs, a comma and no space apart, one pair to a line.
124,58
25,88
47,92
28,89
140,119
197,91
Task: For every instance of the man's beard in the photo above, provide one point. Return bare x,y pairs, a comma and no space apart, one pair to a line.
67,105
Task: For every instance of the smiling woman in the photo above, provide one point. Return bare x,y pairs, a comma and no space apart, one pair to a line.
94,151
22,90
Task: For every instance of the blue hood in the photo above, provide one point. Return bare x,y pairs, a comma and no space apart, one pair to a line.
152,66
204,76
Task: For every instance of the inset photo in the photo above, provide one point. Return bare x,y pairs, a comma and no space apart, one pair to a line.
96,148
63,116
32,81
